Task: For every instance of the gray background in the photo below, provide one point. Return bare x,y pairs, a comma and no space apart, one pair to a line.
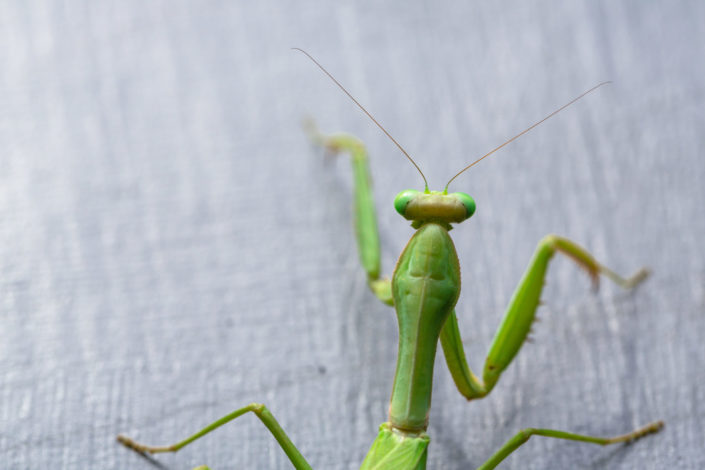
172,248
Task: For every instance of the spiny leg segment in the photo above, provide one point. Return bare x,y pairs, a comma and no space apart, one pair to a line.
519,316
258,409
364,206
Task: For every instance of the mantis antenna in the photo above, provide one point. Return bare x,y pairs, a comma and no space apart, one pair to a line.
366,112
525,131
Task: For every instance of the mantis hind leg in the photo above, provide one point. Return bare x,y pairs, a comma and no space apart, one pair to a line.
258,409
522,436
364,209
519,316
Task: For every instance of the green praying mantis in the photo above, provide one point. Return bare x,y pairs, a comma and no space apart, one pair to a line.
424,290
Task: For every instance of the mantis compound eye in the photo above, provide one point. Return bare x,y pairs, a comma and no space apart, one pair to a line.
403,199
467,201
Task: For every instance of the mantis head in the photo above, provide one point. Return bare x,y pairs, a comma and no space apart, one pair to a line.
434,206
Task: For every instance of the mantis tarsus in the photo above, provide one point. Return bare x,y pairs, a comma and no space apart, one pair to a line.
424,289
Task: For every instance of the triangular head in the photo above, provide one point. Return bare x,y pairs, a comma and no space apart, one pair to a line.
434,206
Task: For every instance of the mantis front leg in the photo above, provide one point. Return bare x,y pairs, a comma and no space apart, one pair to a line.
363,206
519,316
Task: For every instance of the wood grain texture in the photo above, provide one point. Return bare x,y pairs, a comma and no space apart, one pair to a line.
172,248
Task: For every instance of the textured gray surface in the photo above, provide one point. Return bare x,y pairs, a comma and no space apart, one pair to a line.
172,248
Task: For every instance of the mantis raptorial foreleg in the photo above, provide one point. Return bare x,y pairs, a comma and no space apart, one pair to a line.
519,316
364,206
258,409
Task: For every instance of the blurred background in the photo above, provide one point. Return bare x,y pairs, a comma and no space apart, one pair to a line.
173,248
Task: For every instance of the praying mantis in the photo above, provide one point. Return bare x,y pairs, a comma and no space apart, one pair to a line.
424,289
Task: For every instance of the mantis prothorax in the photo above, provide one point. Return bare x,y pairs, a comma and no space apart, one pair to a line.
424,289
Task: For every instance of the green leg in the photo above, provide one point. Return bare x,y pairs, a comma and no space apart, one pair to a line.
365,216
522,436
516,324
258,409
